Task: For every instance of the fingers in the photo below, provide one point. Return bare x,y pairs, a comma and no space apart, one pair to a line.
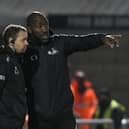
117,36
113,40
114,37
117,39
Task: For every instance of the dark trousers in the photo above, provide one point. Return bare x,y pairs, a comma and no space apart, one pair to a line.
10,128
32,124
63,121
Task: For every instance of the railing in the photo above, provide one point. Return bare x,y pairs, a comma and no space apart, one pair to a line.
94,122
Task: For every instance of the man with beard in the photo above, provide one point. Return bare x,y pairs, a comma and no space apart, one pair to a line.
50,99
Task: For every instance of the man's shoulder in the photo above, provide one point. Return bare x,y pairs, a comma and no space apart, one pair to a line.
5,56
4,64
59,38
59,35
5,59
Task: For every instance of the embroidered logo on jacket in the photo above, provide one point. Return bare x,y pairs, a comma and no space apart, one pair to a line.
2,77
53,51
16,71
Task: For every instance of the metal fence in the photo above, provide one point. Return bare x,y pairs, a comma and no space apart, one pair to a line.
93,122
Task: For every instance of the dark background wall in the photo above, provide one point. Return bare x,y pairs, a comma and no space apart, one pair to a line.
105,67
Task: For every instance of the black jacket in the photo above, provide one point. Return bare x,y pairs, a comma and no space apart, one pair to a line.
47,73
12,91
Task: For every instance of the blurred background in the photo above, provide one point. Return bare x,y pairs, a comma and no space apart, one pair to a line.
103,66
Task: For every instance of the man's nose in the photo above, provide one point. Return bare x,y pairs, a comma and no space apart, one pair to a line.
26,43
44,28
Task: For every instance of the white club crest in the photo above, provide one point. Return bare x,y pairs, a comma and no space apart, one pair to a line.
53,51
16,71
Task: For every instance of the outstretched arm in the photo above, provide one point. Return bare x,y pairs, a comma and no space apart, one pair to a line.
73,43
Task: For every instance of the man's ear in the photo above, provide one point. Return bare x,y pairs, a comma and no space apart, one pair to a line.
29,29
11,42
